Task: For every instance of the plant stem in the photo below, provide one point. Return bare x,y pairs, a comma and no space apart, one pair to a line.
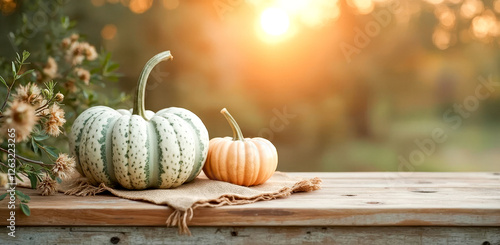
24,158
139,108
43,107
6,98
237,135
46,152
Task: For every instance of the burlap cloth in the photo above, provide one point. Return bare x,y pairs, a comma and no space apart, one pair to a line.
201,192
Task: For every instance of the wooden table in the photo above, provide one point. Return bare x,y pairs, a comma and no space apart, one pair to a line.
351,208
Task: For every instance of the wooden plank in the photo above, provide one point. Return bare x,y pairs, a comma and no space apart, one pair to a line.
346,199
257,235
401,175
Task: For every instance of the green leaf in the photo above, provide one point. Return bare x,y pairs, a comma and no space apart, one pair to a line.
22,195
14,70
33,180
17,175
52,151
3,81
25,73
65,22
3,196
26,209
41,137
36,167
34,146
26,54
72,24
112,67
85,94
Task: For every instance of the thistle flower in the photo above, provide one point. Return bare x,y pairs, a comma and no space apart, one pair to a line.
29,94
50,68
55,120
83,75
63,166
21,117
47,186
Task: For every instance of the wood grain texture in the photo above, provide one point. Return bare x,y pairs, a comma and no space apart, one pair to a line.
257,235
346,199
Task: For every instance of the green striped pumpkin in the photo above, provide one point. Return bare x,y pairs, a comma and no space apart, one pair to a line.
138,149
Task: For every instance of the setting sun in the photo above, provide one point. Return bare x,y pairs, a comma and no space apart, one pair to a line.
274,21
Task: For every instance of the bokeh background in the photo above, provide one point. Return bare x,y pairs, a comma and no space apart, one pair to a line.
336,85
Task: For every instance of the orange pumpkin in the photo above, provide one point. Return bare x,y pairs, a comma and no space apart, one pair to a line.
238,160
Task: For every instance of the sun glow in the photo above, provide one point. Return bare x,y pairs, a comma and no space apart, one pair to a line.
274,21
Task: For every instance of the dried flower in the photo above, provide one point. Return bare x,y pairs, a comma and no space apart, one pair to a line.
78,51
29,94
59,97
75,54
50,68
74,37
64,166
65,43
83,75
70,86
47,186
55,120
89,51
43,112
21,117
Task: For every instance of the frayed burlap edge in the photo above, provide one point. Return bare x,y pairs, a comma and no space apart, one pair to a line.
81,187
179,218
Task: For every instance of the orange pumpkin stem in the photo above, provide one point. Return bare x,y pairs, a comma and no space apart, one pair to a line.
237,135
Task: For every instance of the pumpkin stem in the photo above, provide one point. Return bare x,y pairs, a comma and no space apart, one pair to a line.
237,135
139,108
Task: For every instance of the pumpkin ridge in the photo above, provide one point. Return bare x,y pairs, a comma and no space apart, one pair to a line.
170,155
221,169
120,148
186,148
271,152
200,151
251,162
76,140
137,151
127,155
154,159
232,163
264,153
169,117
83,158
104,141
241,162
262,159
